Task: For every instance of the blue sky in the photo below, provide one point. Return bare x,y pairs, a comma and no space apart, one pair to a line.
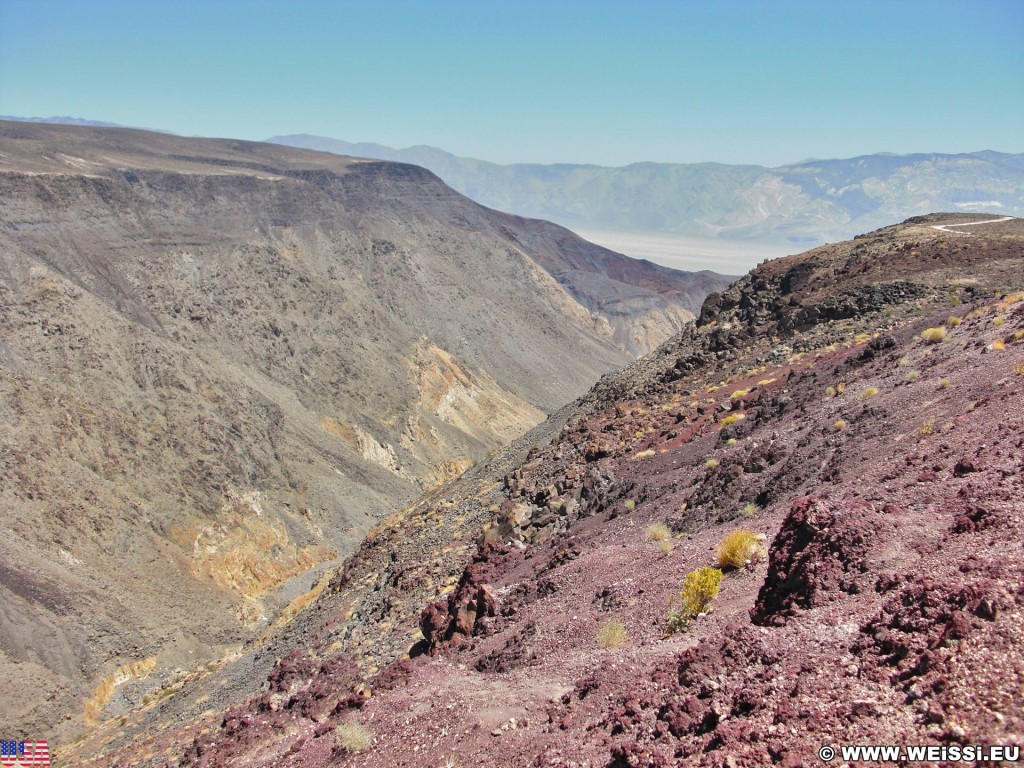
521,81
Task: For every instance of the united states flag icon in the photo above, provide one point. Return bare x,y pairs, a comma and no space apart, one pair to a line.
14,753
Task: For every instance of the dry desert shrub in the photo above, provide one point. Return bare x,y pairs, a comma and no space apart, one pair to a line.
933,335
700,587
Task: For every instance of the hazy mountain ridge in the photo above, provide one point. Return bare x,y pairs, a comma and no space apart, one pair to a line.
807,202
222,361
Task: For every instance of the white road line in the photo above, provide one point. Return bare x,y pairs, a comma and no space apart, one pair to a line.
945,227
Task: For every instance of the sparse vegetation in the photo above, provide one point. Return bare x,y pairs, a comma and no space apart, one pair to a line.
629,504
644,454
700,588
840,425
943,383
732,418
913,375
748,510
929,426
352,738
870,392
739,393
665,547
658,532
830,391
711,463
1019,369
840,386
998,345
933,335
953,321
739,549
998,320
611,634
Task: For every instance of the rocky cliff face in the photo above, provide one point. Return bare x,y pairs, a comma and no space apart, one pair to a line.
521,614
222,362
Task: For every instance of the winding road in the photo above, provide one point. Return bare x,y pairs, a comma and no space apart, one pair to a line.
946,227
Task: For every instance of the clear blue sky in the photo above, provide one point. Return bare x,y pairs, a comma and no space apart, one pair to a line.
733,81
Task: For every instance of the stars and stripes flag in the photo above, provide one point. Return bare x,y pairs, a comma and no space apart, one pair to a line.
14,753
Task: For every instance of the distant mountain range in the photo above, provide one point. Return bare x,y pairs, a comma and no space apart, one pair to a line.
805,203
63,120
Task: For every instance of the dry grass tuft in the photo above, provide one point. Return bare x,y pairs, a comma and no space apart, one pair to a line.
658,532
732,418
740,549
840,425
933,335
611,634
352,738
953,321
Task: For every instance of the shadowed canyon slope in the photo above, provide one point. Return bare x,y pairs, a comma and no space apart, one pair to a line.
855,407
221,362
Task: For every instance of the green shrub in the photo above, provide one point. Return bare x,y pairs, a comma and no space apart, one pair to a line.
700,587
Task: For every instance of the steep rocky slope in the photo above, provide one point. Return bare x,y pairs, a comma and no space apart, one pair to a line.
815,405
222,362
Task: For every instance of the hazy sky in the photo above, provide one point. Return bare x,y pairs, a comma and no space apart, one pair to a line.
764,82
